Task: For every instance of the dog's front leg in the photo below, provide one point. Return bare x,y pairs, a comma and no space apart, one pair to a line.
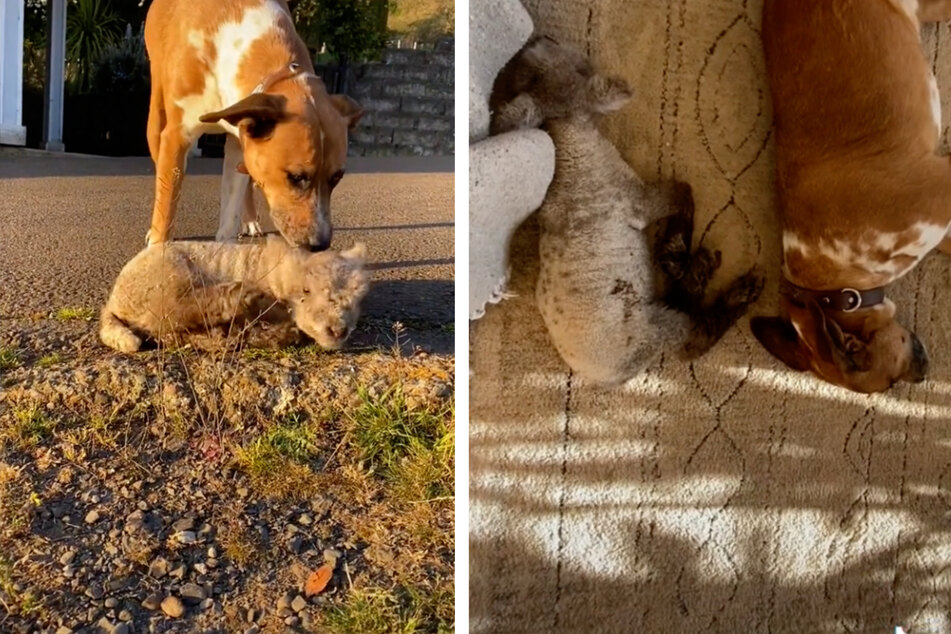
169,171
237,201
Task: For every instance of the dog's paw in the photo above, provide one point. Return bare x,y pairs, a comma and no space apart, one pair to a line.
252,230
154,237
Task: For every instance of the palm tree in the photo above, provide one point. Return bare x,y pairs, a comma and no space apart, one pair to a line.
92,26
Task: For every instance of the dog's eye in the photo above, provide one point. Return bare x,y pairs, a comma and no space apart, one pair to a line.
298,179
335,178
306,291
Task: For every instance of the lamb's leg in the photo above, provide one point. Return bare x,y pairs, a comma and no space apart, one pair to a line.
688,286
672,248
671,328
115,333
671,199
712,322
266,334
269,323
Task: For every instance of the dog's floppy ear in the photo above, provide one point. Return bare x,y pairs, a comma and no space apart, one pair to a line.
781,340
350,109
828,341
607,94
255,115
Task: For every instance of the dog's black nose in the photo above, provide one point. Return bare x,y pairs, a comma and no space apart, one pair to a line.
321,241
320,245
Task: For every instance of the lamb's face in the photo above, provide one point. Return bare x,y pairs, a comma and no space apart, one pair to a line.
561,81
556,76
326,302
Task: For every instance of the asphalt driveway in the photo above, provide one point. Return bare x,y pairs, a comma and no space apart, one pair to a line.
69,223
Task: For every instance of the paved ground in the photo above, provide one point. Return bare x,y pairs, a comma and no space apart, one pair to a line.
68,224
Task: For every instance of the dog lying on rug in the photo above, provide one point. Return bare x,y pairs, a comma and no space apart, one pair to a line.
171,291
596,286
862,194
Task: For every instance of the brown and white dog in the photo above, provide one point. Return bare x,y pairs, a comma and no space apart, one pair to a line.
238,66
862,195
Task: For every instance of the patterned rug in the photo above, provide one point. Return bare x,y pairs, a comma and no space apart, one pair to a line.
729,494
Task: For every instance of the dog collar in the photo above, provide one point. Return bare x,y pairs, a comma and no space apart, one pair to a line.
291,70
845,300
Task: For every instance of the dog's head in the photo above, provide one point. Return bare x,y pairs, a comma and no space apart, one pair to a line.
866,350
295,149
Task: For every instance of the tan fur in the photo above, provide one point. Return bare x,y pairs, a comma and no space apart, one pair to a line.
181,287
862,194
303,131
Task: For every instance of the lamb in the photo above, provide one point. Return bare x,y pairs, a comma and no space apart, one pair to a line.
185,290
596,287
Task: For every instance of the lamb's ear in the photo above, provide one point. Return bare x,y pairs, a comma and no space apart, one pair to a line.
356,255
607,94
255,115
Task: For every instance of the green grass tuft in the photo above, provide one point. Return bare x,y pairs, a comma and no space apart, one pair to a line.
403,611
277,460
31,425
74,313
49,360
412,450
9,358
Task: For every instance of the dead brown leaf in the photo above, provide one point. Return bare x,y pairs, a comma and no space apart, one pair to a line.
318,580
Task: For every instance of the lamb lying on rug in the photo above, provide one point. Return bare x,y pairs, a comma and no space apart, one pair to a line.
173,290
596,285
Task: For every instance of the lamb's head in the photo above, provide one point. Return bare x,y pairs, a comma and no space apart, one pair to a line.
325,299
548,80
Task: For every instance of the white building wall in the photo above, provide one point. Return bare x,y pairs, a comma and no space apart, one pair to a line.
12,131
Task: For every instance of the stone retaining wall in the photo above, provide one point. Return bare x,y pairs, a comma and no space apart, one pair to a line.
409,103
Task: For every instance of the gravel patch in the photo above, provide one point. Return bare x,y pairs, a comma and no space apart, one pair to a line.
124,507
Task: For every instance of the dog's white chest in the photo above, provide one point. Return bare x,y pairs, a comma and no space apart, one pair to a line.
884,254
225,50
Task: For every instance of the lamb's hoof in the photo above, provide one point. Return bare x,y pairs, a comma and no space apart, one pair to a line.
742,292
726,309
703,264
698,344
128,343
673,256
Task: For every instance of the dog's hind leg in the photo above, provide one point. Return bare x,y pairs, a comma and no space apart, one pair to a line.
237,201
